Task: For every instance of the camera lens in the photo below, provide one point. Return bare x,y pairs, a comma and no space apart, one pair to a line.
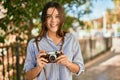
52,58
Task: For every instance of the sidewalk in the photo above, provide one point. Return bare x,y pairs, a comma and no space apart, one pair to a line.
105,67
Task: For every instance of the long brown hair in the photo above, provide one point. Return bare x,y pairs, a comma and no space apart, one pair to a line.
44,29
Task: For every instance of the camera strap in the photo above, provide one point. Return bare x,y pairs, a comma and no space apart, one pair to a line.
36,41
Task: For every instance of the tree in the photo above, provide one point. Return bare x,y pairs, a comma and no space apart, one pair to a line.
21,13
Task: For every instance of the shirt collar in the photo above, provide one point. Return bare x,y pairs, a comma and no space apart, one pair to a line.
66,37
47,37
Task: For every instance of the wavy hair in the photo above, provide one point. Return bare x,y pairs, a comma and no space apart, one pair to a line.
60,10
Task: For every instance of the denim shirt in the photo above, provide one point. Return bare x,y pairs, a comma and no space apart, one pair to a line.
71,48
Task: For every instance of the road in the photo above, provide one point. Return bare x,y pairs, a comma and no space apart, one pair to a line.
104,67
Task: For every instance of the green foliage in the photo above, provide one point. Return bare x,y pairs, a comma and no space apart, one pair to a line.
1,39
68,23
21,13
118,29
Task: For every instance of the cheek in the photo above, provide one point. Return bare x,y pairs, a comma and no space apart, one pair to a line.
58,21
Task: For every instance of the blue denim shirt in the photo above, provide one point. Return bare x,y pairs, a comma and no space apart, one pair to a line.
71,48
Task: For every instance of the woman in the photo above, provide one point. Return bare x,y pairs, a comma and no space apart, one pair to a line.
51,39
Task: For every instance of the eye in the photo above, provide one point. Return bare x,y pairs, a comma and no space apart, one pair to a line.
58,16
48,16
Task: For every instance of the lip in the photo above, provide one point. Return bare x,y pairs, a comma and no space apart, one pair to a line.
53,25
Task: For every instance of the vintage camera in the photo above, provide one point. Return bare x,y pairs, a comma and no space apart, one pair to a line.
51,56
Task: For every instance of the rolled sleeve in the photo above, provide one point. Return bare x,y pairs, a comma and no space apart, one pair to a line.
81,69
30,57
77,58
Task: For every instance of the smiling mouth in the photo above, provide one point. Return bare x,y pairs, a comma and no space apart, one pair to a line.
53,25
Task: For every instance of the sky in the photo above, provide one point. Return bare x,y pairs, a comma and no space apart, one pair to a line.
97,10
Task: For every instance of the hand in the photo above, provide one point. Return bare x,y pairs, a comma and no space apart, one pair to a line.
63,59
41,61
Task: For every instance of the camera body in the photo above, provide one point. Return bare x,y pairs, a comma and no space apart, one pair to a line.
52,56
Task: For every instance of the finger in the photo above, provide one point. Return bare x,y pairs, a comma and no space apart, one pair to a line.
42,51
41,54
44,60
60,57
43,63
60,61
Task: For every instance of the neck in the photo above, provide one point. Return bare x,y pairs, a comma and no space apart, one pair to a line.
56,38
52,35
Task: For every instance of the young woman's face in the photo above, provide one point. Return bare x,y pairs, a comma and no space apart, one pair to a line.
53,19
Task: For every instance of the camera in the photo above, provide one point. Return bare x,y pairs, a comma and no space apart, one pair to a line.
52,56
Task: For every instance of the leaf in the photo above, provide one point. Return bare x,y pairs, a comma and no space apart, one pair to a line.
1,39
3,26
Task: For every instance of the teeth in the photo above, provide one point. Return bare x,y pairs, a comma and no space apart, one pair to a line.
53,25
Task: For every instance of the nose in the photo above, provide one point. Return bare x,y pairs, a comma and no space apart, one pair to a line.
53,19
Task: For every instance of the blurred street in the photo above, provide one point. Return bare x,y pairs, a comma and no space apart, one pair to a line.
104,67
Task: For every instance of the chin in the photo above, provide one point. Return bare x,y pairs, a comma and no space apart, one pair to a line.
54,30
